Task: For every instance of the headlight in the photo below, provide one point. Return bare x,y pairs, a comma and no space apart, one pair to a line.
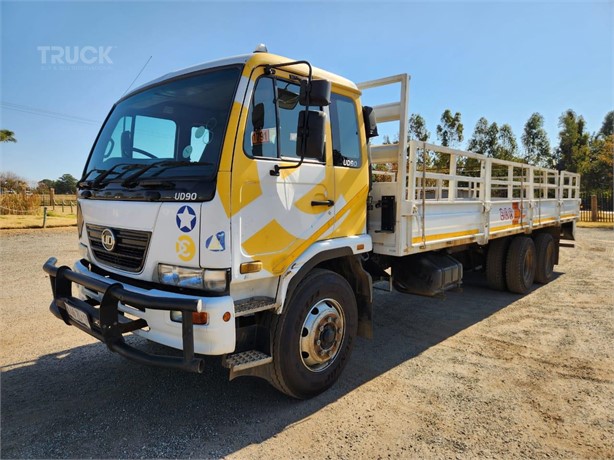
194,278
181,276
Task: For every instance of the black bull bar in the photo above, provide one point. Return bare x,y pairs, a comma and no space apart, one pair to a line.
107,324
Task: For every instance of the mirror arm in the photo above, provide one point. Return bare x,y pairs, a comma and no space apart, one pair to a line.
269,69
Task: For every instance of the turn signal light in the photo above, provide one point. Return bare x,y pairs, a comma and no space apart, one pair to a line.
200,317
250,267
197,317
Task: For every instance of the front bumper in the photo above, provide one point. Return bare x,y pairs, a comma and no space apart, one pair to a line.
102,316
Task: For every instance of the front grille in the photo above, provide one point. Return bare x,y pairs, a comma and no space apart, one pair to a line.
130,248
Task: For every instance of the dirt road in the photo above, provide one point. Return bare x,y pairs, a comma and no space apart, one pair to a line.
479,373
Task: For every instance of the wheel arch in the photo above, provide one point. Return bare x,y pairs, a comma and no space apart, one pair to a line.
343,261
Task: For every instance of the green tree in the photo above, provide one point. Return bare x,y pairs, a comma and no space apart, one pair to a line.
573,148
507,146
596,168
7,136
417,129
607,128
44,185
66,184
450,131
478,142
449,134
535,142
485,138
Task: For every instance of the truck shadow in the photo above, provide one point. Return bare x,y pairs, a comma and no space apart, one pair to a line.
88,402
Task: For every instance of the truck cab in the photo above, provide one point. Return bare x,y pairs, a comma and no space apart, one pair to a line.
196,189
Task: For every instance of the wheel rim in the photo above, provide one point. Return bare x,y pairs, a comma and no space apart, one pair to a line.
322,334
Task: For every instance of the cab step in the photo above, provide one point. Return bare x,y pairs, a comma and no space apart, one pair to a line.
253,305
246,359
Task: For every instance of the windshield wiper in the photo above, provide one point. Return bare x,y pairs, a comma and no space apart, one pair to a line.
131,181
83,183
98,181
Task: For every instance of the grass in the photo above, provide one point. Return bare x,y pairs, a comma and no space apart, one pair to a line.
55,218
596,224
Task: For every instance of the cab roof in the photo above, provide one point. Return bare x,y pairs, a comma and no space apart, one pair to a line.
252,60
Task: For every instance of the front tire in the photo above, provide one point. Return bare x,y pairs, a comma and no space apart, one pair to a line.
313,338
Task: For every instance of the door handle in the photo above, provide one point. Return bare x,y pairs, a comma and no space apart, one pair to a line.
328,203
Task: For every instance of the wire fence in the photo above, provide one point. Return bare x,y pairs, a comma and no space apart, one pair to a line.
58,200
34,204
597,207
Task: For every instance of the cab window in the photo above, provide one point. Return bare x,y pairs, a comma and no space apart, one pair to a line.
344,124
264,137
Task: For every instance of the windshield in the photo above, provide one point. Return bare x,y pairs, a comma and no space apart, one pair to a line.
170,131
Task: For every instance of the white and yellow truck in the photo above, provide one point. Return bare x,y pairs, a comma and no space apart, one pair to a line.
233,209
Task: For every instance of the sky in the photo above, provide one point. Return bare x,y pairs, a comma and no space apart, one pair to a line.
501,60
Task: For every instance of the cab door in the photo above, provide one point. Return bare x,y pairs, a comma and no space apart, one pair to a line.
351,165
279,215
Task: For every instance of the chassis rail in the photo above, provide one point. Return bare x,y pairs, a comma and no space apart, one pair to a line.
107,324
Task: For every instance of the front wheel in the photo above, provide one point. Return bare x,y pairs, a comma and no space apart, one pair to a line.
313,338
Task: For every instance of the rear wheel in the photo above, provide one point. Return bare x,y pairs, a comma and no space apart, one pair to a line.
495,263
313,338
545,249
520,265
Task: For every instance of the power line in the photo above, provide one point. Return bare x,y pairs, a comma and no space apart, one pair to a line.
47,113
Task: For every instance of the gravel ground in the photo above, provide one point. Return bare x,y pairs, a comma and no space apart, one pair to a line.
479,373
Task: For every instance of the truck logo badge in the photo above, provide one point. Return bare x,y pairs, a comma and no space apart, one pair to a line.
217,242
185,248
107,238
186,219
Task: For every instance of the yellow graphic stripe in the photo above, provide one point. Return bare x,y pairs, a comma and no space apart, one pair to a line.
280,266
505,227
444,236
545,221
357,202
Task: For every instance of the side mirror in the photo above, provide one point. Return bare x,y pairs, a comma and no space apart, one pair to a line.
368,115
311,137
287,99
318,92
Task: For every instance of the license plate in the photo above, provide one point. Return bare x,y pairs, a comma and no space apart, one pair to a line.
79,316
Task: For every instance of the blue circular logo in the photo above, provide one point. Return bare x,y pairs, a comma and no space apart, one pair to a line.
186,219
